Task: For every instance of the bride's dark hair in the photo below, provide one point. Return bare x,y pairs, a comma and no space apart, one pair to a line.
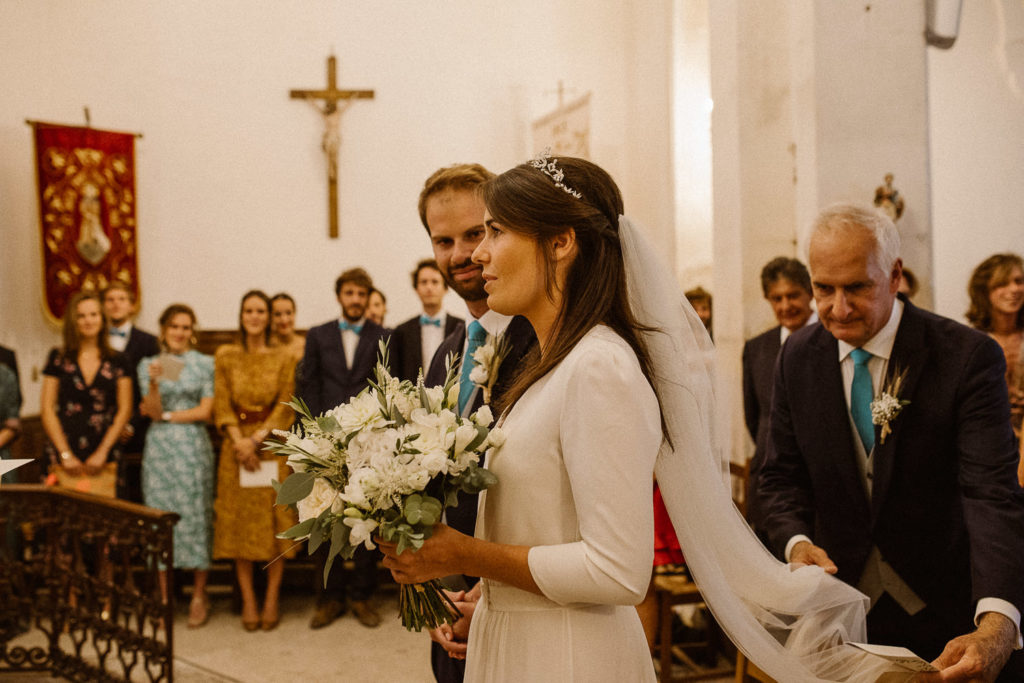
526,200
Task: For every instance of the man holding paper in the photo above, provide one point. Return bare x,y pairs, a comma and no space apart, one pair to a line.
892,463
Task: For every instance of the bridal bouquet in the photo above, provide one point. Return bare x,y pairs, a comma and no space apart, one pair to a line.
385,464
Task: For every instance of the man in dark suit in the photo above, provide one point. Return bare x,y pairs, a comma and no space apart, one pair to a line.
452,213
338,362
134,344
417,338
787,288
911,497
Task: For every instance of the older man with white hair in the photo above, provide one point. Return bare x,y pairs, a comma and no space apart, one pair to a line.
892,463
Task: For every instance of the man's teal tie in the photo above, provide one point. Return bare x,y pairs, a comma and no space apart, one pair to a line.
477,336
861,395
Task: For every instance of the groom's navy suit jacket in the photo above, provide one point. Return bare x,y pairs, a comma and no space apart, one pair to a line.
324,379
945,511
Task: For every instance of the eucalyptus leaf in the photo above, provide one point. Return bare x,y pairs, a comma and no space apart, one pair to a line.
295,488
299,530
316,537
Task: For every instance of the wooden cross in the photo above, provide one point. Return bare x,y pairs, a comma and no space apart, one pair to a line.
331,112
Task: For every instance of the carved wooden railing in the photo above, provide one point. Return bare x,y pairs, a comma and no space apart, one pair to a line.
80,594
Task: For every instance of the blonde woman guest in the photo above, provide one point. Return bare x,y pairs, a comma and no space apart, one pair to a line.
252,381
282,314
177,463
86,397
996,289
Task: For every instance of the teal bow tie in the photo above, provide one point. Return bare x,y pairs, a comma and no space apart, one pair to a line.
427,320
346,325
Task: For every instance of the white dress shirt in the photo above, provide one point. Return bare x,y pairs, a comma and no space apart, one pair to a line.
117,341
350,340
431,337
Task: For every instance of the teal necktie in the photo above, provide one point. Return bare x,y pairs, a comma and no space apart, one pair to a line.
477,336
861,395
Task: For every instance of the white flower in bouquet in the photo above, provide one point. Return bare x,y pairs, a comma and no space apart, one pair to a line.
362,412
496,438
361,530
320,499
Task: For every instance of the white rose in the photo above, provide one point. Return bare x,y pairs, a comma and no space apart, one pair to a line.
318,500
434,461
453,395
483,416
362,484
484,355
362,411
496,438
478,375
463,436
362,531
434,395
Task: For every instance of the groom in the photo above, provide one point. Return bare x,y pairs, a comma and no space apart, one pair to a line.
919,508
452,212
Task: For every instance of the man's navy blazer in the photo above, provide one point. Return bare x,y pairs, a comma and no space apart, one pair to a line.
945,510
323,379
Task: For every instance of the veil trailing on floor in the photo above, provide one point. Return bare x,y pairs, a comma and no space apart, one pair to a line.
794,624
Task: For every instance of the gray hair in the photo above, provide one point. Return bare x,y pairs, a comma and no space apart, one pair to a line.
841,219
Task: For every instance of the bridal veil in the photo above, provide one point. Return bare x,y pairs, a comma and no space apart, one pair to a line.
793,623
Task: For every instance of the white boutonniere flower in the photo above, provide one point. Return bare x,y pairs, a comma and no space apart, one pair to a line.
887,405
487,360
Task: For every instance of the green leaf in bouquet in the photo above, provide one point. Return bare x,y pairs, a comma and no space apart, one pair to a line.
296,487
475,479
451,498
300,530
412,508
300,407
424,398
339,537
331,554
316,535
397,417
481,436
327,423
430,511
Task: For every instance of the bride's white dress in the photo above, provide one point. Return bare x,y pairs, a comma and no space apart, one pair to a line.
575,484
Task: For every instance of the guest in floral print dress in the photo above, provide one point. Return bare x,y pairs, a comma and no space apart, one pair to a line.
177,463
86,397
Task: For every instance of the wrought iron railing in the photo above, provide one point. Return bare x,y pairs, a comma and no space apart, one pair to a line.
80,591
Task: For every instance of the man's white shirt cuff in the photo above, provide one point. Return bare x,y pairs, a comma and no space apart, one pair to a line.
1002,607
792,542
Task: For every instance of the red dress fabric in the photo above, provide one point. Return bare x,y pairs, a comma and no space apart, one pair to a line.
666,545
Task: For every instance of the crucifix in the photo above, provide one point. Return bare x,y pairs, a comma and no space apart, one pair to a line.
335,102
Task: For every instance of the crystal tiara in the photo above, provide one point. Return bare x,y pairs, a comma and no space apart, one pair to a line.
542,162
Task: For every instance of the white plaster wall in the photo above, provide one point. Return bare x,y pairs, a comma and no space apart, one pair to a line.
230,178
976,108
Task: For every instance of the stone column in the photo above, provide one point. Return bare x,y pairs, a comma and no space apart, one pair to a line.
813,104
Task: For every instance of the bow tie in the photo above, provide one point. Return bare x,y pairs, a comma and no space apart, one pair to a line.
427,320
118,333
346,325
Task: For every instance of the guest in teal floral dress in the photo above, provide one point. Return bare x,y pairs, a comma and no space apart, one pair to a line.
177,462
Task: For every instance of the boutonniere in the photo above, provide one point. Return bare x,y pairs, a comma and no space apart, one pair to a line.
487,360
887,405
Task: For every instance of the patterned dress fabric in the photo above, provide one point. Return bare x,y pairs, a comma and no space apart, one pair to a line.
85,411
177,462
246,519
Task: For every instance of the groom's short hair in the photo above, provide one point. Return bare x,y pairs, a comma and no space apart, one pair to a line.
456,177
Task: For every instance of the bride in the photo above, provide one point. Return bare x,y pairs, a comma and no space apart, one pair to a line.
621,388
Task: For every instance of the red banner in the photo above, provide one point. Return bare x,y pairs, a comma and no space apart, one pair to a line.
86,211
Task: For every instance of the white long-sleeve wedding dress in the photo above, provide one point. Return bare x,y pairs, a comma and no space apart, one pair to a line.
575,484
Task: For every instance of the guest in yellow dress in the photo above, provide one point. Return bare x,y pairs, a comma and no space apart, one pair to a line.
252,381
282,316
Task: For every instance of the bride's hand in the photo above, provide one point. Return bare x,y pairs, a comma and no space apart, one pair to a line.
438,556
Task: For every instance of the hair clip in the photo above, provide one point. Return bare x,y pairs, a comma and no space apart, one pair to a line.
541,161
